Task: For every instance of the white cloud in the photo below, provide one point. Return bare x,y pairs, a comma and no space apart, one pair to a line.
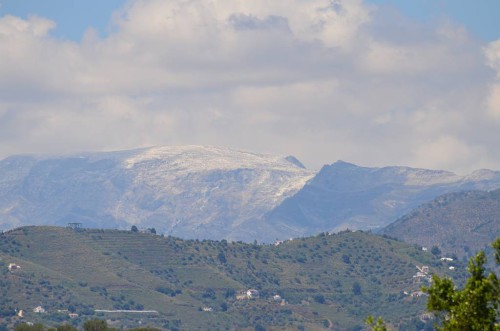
320,79
492,52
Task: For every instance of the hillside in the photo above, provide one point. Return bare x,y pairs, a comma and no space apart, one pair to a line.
458,223
186,191
327,280
344,195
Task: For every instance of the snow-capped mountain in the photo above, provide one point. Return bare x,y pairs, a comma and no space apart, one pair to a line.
216,193
189,191
343,195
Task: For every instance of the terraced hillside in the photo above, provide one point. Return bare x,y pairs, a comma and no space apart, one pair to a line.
458,223
324,281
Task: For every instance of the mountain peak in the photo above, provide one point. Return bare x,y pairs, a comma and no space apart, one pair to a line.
292,159
341,163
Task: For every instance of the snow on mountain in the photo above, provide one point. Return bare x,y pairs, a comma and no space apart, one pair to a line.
343,195
214,193
187,191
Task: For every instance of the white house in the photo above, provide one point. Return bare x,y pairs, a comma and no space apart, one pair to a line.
39,310
252,294
13,266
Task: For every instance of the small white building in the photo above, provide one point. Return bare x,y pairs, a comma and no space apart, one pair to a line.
39,310
452,268
447,259
253,294
13,266
207,309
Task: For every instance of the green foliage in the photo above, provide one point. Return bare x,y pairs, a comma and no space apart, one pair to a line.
435,250
496,247
26,327
360,272
134,229
356,288
66,328
475,306
95,325
378,325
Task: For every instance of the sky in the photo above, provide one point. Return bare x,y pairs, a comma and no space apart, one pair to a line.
374,82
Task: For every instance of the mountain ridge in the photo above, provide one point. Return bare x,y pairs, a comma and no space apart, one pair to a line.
209,192
343,195
180,190
459,223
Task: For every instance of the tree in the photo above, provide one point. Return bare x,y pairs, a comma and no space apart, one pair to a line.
26,327
378,325
221,257
66,327
356,288
475,307
134,228
95,325
435,251
496,247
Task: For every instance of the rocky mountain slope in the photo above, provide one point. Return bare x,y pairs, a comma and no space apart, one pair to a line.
190,191
343,195
214,193
458,223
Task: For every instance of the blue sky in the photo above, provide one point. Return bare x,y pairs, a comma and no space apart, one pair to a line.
375,82
481,17
74,17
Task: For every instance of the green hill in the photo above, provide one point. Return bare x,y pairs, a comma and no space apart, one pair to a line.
458,223
324,281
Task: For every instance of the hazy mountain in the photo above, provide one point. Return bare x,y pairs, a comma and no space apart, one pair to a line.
458,223
190,191
343,195
211,192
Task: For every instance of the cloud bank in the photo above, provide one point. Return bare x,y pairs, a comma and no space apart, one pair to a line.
320,79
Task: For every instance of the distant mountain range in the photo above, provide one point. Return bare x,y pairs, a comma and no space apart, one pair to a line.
214,193
458,223
343,195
